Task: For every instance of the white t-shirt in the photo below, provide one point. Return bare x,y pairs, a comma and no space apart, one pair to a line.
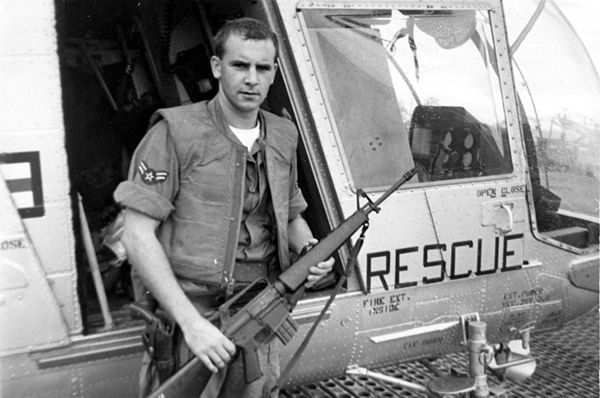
247,136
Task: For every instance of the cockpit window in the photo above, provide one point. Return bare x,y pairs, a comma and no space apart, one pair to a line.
558,89
408,87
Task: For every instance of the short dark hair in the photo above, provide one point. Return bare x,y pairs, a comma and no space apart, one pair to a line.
248,29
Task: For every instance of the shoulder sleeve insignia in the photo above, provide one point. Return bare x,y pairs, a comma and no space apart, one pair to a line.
149,176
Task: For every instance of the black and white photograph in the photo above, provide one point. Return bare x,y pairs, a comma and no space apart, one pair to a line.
299,198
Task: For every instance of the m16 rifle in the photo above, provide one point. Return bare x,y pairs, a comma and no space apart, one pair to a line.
267,315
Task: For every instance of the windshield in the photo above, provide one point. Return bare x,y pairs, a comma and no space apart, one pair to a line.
561,104
408,87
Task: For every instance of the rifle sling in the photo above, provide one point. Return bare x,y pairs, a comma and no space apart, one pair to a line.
350,265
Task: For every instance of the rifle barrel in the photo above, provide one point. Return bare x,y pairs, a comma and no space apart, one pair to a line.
407,176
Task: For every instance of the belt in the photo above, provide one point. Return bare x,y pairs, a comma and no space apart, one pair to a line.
245,272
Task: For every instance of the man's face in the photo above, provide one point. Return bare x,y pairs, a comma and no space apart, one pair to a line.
245,72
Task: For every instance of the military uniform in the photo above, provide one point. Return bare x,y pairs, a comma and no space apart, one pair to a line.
224,210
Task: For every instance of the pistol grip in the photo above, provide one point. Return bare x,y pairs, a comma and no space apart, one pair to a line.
252,370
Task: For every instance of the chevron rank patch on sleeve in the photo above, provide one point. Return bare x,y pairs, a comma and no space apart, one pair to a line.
150,176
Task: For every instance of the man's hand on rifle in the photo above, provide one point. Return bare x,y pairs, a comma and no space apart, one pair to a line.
208,343
320,270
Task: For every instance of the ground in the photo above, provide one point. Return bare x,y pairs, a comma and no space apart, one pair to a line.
567,366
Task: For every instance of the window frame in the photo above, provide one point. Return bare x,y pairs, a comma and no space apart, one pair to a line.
505,83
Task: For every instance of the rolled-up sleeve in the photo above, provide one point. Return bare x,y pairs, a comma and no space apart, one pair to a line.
153,179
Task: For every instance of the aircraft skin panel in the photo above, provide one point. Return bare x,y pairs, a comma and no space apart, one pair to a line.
33,152
507,302
29,313
502,215
35,75
56,253
431,312
412,319
437,251
38,157
64,287
322,358
30,67
386,251
56,383
555,266
34,164
45,145
118,377
32,23
550,298
110,375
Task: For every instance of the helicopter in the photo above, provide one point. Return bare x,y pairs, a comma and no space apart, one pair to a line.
495,239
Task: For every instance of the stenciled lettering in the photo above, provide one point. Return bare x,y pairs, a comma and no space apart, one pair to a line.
11,244
453,274
505,191
489,192
379,273
481,271
525,297
441,263
385,304
434,263
508,253
400,268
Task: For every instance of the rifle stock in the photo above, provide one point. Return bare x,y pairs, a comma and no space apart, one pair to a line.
188,382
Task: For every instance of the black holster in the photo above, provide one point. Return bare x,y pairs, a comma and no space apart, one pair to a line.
160,339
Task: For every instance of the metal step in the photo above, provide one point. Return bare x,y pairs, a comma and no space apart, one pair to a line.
567,366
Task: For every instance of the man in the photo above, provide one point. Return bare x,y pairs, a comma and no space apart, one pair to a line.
213,201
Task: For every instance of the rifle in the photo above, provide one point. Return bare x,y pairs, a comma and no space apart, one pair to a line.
267,315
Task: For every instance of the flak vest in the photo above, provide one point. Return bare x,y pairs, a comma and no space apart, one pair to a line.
200,236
